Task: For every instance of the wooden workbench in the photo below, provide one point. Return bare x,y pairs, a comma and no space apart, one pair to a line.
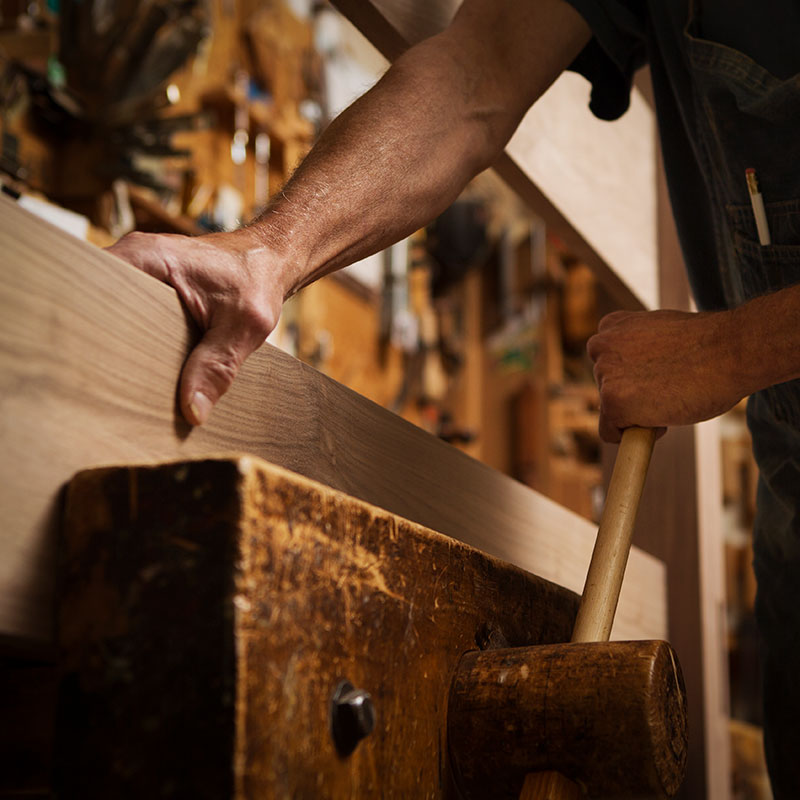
217,605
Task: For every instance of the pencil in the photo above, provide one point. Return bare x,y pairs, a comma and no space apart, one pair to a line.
757,201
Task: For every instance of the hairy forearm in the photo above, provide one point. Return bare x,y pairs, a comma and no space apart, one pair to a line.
403,152
664,368
765,340
389,164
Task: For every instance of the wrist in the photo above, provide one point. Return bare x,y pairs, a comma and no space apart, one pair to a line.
750,363
737,367
263,260
756,360
271,243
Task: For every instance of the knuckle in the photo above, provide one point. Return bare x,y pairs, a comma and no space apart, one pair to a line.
134,239
601,368
223,367
611,400
257,321
609,404
600,346
612,319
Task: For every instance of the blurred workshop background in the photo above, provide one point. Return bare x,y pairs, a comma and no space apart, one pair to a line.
186,116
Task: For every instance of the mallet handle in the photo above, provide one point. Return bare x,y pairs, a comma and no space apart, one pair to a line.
604,579
613,543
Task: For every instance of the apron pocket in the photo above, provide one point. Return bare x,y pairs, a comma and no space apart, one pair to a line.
783,218
766,268
769,268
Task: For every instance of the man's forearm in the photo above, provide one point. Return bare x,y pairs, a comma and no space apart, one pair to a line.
663,368
402,153
765,337
387,166
390,163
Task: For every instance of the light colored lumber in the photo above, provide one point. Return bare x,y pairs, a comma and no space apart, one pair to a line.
90,351
593,181
713,607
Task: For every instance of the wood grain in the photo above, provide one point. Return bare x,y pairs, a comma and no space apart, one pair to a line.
593,182
90,352
210,609
549,786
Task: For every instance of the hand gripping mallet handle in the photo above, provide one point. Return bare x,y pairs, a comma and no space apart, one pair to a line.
604,579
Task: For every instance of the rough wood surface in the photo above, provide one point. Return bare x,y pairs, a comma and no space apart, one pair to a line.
90,351
549,786
609,716
27,720
210,609
562,158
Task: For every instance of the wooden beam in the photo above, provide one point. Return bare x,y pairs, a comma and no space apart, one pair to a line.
594,183
713,610
90,352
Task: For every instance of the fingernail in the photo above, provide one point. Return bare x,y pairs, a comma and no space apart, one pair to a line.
200,406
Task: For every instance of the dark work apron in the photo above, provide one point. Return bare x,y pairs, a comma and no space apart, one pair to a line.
747,117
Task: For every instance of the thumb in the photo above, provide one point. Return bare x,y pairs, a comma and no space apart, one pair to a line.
211,368
611,433
608,431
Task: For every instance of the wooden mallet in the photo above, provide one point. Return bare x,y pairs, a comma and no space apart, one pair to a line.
612,715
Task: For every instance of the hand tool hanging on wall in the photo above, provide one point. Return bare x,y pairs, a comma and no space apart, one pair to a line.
126,58
117,59
118,56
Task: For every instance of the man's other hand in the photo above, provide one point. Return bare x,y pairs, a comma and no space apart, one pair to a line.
660,368
225,282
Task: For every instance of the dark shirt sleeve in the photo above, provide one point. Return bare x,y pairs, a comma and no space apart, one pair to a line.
615,52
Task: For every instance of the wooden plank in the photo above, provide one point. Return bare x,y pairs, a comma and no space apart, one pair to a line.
713,617
593,182
90,351
235,597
